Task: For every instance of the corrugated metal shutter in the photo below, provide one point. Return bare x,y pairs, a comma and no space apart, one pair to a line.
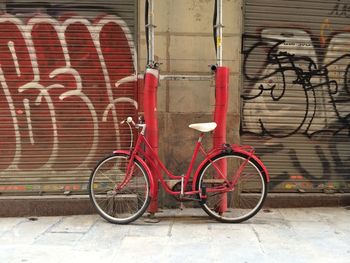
296,94
59,106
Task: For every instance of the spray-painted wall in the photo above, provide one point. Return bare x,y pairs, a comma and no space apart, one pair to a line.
67,78
296,96
60,109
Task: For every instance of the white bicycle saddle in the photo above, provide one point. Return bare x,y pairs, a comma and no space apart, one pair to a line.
203,127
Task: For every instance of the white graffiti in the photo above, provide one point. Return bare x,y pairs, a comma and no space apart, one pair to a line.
44,91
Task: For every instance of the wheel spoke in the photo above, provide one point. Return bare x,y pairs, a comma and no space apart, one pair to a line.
125,203
245,196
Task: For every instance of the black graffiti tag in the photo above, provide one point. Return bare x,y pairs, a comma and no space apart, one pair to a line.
301,72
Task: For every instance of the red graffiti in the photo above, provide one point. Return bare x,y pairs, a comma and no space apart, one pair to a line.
65,85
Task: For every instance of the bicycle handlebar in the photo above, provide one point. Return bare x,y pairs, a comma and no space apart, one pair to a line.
128,120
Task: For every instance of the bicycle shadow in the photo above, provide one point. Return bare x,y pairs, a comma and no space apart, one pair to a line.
199,217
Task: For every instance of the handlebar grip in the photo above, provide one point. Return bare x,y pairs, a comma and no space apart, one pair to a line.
128,120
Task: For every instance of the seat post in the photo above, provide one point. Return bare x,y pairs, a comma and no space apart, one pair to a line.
201,135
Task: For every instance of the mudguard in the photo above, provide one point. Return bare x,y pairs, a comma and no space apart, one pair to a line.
250,153
148,171
246,150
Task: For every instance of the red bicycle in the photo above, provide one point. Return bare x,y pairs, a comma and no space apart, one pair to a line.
230,184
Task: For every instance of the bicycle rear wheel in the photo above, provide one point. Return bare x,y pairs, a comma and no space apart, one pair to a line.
117,196
248,194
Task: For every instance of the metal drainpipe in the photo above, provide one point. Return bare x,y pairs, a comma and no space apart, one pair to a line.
221,93
151,80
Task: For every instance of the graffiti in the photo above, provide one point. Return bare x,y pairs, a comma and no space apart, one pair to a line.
290,75
341,9
311,168
42,188
65,82
296,99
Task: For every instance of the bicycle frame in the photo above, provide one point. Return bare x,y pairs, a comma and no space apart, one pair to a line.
149,159
153,161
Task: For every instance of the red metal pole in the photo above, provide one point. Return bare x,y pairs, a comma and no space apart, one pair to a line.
150,113
221,104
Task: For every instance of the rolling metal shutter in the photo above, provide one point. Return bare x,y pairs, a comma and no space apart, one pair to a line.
67,80
296,94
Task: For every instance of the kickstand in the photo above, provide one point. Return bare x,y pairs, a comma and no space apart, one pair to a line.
152,219
182,206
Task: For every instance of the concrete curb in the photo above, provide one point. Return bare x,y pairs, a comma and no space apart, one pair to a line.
81,205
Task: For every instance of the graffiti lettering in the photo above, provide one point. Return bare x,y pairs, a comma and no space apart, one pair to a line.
341,9
296,98
58,92
289,75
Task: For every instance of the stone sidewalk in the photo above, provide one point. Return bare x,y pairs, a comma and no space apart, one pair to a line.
276,235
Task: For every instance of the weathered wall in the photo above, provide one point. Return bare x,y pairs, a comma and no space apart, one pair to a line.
60,110
184,45
296,97
53,67
60,61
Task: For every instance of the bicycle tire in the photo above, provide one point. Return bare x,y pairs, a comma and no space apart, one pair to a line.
246,198
124,205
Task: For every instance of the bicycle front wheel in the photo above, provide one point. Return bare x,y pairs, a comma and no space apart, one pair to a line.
245,199
119,196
